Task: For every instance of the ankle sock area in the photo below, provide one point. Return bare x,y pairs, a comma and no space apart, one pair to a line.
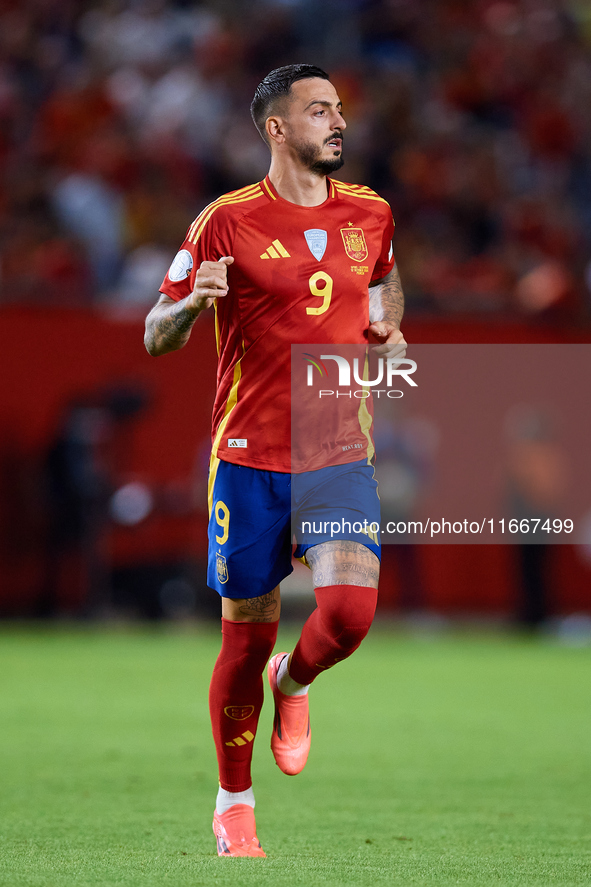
226,799
286,683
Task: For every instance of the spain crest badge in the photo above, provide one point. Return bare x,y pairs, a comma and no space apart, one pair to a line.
221,568
355,245
239,712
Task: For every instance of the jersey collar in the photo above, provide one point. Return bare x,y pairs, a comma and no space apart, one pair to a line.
273,195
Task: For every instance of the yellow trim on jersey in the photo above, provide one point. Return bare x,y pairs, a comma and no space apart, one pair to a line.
214,460
217,326
364,416
365,422
360,192
232,194
340,186
269,192
209,211
347,192
353,187
213,470
224,202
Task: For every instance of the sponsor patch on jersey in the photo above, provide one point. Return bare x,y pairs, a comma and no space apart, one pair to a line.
316,239
241,442
221,568
355,245
239,712
181,267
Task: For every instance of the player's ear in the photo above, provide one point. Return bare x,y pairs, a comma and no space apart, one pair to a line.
275,130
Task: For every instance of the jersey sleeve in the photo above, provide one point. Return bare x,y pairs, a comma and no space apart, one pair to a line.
207,240
386,260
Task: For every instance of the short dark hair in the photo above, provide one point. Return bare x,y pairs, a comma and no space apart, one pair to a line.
277,85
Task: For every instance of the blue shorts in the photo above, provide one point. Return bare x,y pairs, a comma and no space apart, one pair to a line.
256,515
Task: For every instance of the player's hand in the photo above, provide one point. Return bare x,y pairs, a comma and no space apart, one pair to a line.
391,342
211,282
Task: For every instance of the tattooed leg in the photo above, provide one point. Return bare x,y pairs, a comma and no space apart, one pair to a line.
265,608
343,563
344,614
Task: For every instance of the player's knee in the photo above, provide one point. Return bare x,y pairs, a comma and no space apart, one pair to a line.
347,613
249,642
261,648
352,633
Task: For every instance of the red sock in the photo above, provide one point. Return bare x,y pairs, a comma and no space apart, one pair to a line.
334,630
236,697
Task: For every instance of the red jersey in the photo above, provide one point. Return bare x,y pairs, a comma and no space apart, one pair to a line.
300,275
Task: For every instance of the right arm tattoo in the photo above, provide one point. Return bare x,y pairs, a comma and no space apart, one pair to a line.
376,310
168,327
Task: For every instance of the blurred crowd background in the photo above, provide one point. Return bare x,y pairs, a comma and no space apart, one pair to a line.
121,119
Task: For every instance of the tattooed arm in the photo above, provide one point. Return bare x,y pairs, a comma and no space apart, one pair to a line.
386,307
386,299
169,323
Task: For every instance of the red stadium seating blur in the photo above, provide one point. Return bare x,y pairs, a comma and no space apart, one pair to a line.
120,121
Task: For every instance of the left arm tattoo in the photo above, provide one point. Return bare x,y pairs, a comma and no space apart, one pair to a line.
388,302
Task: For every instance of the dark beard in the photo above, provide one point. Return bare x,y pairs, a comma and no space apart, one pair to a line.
325,167
308,154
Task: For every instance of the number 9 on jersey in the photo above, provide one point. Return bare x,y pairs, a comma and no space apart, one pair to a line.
325,293
222,516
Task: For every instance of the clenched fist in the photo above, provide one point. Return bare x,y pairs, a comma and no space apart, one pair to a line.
211,282
391,341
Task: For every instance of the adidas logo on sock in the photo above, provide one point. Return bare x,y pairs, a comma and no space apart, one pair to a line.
247,736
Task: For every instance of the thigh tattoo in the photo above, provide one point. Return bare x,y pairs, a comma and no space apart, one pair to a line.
260,609
343,563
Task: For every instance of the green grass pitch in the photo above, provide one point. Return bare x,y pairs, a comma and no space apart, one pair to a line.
460,760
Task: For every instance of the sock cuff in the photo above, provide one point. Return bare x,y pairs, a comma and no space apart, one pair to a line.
348,585
357,590
347,615
261,629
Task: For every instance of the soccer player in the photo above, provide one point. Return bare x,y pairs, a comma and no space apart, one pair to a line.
260,255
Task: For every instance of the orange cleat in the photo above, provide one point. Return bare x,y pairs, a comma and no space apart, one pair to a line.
290,741
236,832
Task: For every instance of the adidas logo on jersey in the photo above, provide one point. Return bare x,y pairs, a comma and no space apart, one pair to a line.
275,251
